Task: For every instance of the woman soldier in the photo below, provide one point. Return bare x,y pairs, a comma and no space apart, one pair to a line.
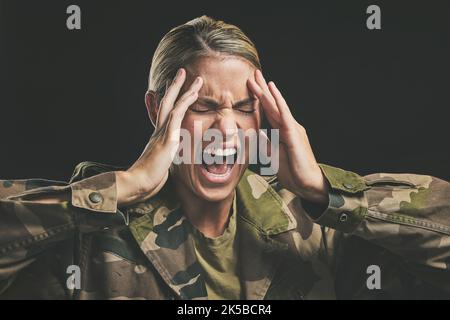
159,230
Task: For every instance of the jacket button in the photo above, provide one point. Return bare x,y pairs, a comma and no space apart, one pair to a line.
343,217
95,197
348,185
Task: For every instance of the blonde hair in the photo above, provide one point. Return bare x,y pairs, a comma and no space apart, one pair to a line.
203,36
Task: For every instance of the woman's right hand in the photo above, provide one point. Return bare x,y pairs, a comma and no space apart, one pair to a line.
150,172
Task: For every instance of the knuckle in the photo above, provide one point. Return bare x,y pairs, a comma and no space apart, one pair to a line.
185,99
156,137
189,94
174,113
301,129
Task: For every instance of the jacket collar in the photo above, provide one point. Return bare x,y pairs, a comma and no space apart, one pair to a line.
165,236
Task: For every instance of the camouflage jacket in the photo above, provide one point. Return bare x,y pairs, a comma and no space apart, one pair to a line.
399,223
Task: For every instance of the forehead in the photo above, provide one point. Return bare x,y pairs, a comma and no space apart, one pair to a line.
222,76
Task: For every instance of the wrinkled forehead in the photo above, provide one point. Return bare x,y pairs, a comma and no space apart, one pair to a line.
224,77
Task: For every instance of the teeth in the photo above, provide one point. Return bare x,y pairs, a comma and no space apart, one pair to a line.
225,152
221,152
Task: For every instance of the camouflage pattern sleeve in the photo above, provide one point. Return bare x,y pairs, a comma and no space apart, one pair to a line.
28,227
407,214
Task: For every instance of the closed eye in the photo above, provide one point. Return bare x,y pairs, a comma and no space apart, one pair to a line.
206,105
203,105
245,106
245,109
200,108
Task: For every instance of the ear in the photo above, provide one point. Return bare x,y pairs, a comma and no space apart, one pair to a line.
152,104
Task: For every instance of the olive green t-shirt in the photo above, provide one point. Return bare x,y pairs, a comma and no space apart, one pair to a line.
218,258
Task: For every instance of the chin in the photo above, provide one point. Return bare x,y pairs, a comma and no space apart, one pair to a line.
214,195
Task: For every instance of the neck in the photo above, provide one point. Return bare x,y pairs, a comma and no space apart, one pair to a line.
210,218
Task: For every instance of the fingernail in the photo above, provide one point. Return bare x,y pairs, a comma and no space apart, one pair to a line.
197,80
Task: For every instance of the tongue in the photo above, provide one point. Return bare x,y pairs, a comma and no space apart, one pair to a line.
217,168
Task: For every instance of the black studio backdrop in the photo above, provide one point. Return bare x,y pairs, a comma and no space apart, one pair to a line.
371,101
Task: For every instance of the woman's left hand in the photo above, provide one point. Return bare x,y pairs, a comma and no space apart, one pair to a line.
298,168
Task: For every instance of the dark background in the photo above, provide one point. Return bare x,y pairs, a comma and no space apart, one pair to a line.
371,100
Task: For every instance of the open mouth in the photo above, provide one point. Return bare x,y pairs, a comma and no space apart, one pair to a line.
220,165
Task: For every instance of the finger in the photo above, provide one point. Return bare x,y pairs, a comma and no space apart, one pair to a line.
171,95
168,82
263,84
180,108
279,99
158,115
265,139
269,105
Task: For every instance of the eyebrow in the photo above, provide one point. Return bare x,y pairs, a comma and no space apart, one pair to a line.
209,102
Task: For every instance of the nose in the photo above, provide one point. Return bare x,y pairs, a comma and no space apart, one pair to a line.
226,123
